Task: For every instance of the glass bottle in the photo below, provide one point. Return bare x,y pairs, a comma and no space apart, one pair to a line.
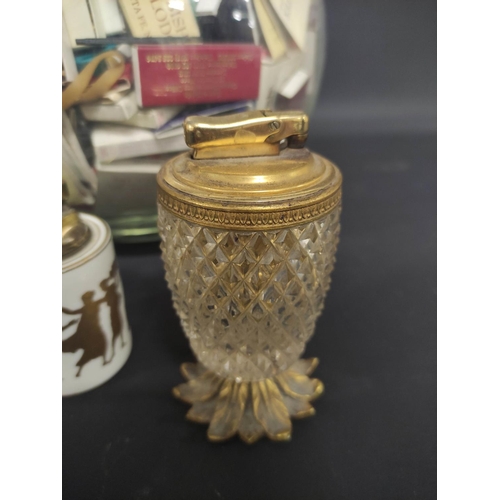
122,130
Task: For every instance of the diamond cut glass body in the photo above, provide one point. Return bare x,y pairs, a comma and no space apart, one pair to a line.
248,301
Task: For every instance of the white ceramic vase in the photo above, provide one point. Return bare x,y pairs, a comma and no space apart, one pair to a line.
96,338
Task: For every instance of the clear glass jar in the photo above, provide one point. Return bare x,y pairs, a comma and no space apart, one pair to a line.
133,69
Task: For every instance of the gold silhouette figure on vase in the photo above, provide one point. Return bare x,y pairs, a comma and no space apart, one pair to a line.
112,298
89,334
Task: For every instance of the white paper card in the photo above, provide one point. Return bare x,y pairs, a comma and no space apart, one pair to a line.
111,16
274,35
208,7
119,111
78,21
115,142
294,14
274,74
153,118
146,164
294,84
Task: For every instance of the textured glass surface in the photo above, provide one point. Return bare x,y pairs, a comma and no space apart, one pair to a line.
248,301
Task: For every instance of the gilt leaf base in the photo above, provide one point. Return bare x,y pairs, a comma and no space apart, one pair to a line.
250,409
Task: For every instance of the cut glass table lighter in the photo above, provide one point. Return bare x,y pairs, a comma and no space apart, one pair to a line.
249,222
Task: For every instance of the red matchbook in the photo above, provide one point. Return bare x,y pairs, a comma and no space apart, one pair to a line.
189,74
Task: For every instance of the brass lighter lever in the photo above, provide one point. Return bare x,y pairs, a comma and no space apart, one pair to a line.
251,133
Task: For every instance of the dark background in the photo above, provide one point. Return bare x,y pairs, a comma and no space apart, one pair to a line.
374,435
380,73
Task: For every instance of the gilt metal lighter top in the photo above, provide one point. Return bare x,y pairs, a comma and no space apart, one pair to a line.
249,222
249,171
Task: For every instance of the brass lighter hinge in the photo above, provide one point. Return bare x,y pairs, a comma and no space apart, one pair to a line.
252,133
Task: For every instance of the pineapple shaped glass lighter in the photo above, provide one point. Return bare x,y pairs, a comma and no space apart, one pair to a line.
249,222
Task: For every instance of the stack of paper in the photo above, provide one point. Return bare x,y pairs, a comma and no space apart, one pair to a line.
129,141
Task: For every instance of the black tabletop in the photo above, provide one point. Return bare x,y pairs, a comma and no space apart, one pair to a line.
374,434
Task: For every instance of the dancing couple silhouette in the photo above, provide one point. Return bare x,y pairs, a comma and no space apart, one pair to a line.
89,334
